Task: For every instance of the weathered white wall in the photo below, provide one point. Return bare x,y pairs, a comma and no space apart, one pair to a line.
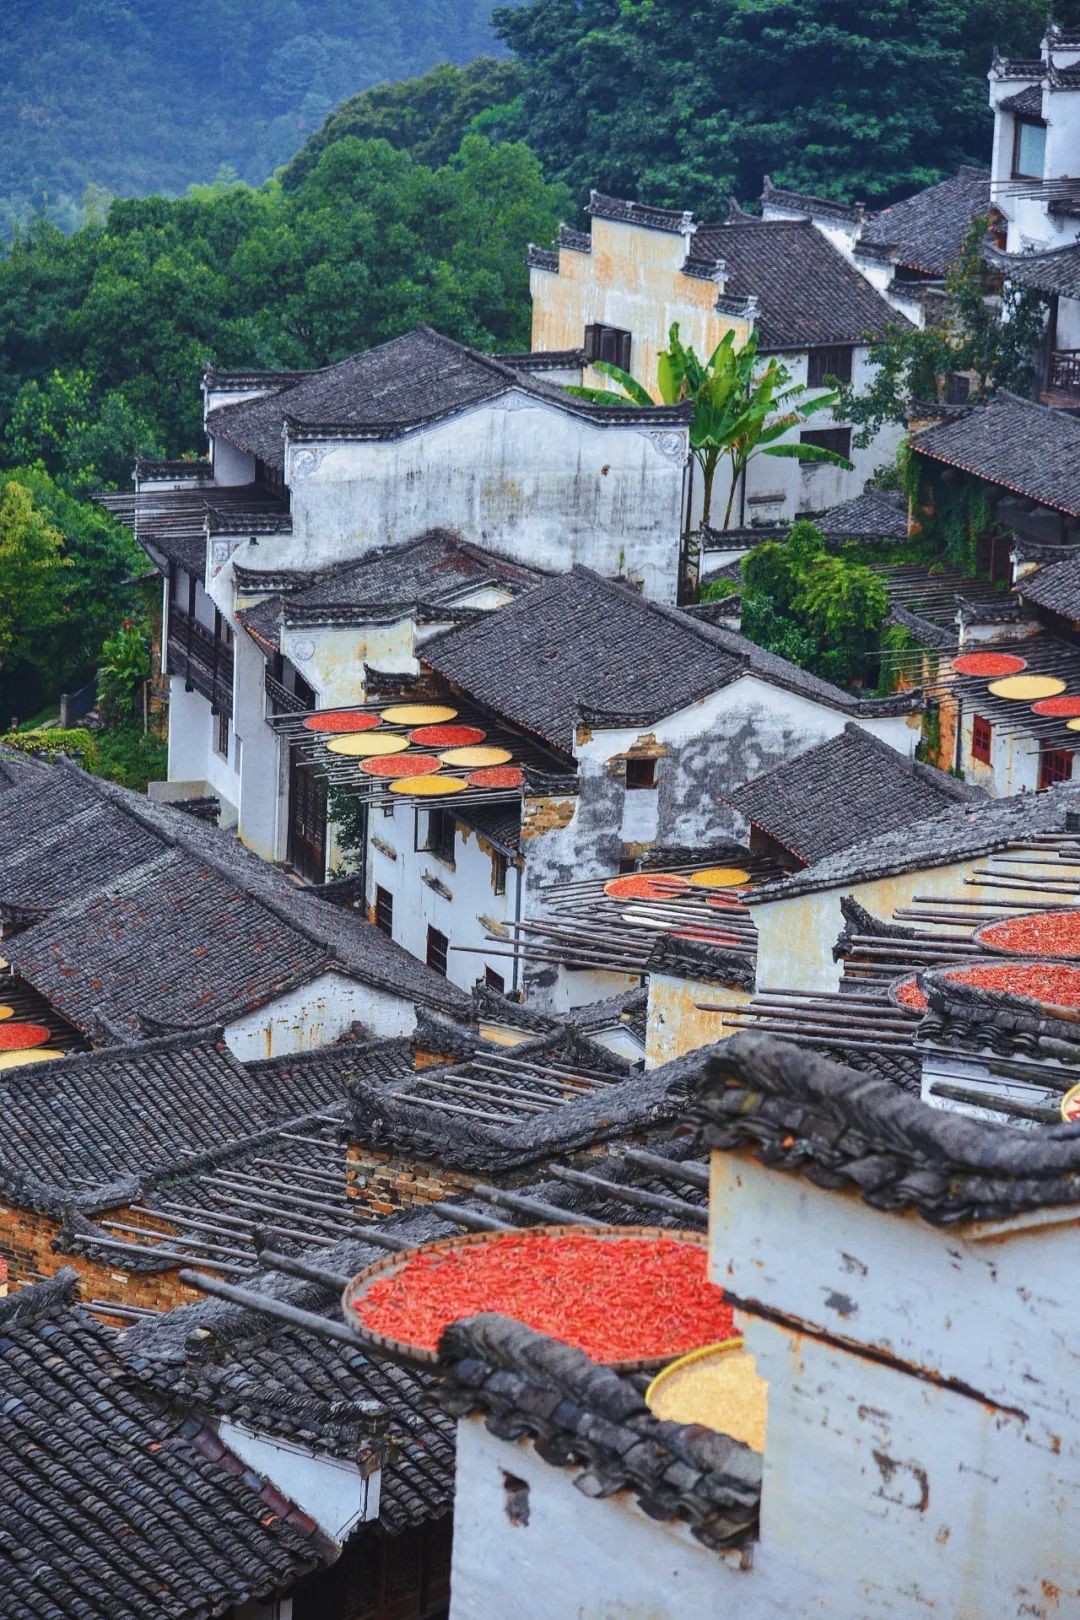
1014,759
231,466
332,660
263,760
463,913
330,1490
886,1493
316,1014
576,1559
529,479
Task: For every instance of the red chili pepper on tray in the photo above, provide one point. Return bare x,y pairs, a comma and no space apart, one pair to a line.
617,1298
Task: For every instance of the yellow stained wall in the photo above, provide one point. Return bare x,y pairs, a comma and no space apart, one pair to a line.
675,1024
632,279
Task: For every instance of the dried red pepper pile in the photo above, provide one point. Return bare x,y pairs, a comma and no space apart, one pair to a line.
639,886
1064,707
1044,933
497,776
617,1298
20,1037
989,664
1038,981
447,736
397,765
908,994
342,720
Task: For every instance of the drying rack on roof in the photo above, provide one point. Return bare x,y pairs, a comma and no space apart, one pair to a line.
614,923
176,522
487,762
1042,655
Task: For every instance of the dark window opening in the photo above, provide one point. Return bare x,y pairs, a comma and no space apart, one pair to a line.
627,864
516,1499
957,388
640,773
982,736
498,872
303,691
829,363
384,910
1055,765
439,835
437,947
838,440
608,343
1029,149
494,981
222,739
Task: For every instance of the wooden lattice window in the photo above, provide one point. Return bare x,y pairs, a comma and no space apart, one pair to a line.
384,910
982,737
1055,765
822,363
608,343
437,947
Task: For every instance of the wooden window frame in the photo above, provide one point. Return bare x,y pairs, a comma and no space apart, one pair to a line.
494,980
438,946
836,361
982,739
436,839
221,733
1055,765
640,773
500,865
610,343
384,911
837,439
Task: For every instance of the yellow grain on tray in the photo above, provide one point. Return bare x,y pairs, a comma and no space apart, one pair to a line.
718,1387
7,1012
1026,688
429,787
472,757
418,714
15,1060
720,877
367,744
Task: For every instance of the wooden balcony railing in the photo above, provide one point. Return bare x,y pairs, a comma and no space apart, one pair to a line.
1064,372
279,700
203,661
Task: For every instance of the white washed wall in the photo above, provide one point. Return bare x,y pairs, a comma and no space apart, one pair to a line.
316,1014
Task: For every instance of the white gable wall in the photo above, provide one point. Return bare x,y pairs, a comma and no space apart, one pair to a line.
315,1014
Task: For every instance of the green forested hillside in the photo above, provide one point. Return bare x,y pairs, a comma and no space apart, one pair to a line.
137,96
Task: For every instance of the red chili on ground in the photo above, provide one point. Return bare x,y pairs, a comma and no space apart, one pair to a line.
341,720
1039,933
640,886
1038,981
20,1037
447,736
396,765
989,664
618,1299
1063,707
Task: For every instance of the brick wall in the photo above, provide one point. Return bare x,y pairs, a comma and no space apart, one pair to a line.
386,1184
27,1253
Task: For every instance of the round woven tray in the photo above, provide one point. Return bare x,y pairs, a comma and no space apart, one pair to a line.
417,1355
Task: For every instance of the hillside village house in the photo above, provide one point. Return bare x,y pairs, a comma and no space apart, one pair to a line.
1036,135
616,289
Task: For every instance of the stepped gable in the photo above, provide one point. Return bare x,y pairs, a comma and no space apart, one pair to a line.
380,393
926,232
808,295
584,1417
1014,443
955,834
112,1505
842,791
181,926
94,1130
1055,586
806,203
876,515
796,1111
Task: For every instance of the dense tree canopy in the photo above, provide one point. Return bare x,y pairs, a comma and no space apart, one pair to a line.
136,96
103,333
686,104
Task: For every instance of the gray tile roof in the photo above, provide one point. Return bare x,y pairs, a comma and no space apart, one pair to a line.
1055,586
926,232
1055,272
601,206
808,294
413,379
586,1417
844,791
876,514
433,568
174,924
955,834
1014,443
99,1126
806,203
801,1112
1026,103
111,1505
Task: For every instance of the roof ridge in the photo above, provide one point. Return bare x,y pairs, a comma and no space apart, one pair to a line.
30,1304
